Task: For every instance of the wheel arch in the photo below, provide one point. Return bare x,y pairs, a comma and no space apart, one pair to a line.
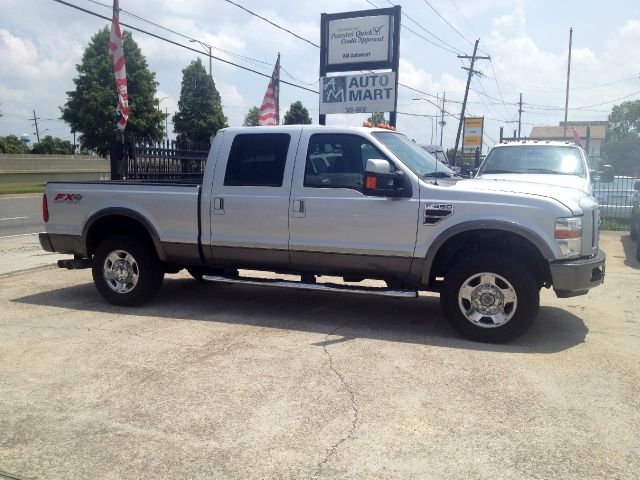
118,220
496,236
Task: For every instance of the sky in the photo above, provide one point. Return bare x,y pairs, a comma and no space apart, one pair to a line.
42,41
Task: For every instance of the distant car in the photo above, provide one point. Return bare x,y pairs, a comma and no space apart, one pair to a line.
545,162
615,198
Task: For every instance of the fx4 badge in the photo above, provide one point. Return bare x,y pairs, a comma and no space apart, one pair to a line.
68,198
436,212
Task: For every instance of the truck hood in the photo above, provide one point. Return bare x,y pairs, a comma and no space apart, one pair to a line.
570,181
569,197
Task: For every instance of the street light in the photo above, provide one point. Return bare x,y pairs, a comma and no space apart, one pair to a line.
430,117
205,45
160,100
166,116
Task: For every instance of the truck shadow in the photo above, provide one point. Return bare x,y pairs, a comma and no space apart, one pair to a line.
349,316
629,247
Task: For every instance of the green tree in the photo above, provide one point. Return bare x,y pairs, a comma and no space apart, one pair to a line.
251,118
622,144
199,114
90,109
297,115
377,118
624,120
12,144
53,145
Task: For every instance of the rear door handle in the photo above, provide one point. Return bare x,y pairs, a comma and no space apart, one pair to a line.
298,208
218,206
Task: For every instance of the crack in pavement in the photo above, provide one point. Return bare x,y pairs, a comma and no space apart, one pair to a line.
354,406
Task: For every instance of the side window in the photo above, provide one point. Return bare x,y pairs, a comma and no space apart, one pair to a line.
257,160
338,161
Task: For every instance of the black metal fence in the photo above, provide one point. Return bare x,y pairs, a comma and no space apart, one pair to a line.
166,161
616,201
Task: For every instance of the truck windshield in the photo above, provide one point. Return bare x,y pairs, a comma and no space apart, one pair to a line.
420,161
536,159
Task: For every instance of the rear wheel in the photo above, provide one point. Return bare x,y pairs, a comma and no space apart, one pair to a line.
126,271
488,298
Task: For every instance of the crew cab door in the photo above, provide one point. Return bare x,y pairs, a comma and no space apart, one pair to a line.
250,199
336,228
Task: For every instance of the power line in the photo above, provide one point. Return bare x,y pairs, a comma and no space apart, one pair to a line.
274,24
451,48
191,39
495,77
447,22
465,18
183,46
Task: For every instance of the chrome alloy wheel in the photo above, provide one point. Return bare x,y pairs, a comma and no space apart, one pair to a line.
120,271
487,300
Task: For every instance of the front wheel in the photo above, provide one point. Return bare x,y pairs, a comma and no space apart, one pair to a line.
126,271
488,298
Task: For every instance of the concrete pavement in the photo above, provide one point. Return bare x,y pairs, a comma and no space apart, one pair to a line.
248,382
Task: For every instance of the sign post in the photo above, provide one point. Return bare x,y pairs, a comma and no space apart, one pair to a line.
360,41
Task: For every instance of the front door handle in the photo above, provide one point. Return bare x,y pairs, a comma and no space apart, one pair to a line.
218,206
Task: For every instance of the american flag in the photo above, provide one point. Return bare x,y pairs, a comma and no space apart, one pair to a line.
576,137
270,109
116,53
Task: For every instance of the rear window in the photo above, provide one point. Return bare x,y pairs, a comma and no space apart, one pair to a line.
542,159
257,160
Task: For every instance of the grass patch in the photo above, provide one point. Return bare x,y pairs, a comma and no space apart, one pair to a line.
9,188
615,224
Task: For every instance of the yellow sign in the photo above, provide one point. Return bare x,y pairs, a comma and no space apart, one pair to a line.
473,122
472,136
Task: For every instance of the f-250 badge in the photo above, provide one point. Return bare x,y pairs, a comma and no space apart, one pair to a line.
68,198
436,212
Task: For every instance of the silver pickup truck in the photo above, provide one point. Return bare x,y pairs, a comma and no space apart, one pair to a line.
358,203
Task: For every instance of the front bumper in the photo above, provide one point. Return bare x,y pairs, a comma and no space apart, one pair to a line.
571,278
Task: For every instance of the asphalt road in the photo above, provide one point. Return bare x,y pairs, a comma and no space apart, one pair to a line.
20,214
230,381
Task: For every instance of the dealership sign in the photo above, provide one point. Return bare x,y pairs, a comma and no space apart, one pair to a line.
364,40
360,39
367,93
472,138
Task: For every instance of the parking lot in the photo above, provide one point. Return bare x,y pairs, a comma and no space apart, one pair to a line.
244,382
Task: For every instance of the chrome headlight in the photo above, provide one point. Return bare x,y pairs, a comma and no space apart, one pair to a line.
569,236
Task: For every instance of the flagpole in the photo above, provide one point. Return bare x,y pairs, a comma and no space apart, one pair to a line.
278,96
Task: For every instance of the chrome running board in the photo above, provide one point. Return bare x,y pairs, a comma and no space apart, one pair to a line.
323,287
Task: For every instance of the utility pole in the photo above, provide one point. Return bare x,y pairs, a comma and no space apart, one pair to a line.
473,58
520,116
166,123
566,101
442,122
35,124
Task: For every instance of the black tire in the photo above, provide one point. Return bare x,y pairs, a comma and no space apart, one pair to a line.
141,278
633,231
508,277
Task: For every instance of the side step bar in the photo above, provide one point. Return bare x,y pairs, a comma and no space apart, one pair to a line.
323,287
